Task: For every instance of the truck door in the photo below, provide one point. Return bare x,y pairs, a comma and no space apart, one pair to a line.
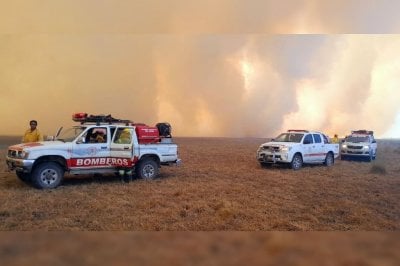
122,147
308,148
91,149
319,148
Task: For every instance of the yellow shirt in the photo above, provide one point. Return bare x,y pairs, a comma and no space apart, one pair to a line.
124,138
32,136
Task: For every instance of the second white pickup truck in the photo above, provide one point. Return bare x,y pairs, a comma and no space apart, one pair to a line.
296,147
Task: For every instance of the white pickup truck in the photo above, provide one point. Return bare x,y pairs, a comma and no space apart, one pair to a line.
360,144
99,145
296,147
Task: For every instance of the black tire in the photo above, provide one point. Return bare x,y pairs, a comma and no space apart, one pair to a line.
24,177
329,159
297,162
264,165
47,175
147,169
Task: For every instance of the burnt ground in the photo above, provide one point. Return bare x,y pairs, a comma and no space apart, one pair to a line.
221,187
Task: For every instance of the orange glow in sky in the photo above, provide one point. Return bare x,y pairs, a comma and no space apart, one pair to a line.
210,68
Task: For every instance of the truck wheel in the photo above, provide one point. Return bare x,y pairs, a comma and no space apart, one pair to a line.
297,162
329,160
47,175
24,177
147,169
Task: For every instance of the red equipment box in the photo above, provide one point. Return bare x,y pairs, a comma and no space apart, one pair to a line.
78,117
147,134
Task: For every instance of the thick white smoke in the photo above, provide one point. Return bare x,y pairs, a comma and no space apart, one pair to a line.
210,68
233,85
355,85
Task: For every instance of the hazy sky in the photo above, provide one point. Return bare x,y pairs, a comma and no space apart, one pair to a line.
210,68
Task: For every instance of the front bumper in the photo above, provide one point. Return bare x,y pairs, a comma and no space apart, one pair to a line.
272,157
356,153
21,165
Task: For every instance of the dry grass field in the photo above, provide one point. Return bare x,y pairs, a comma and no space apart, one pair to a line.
219,187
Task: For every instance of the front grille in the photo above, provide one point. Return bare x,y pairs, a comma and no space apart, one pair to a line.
355,147
270,148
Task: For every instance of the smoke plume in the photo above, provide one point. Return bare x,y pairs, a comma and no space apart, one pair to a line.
210,68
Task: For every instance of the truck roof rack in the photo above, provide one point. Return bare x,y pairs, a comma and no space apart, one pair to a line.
99,119
298,130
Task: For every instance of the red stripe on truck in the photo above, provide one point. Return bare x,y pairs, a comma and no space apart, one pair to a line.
314,154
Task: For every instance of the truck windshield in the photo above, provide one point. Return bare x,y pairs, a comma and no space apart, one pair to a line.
289,137
70,134
357,139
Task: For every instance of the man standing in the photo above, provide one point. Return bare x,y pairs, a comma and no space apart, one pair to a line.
32,134
335,139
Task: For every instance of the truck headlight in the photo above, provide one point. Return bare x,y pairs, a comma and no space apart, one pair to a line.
366,147
286,149
344,146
